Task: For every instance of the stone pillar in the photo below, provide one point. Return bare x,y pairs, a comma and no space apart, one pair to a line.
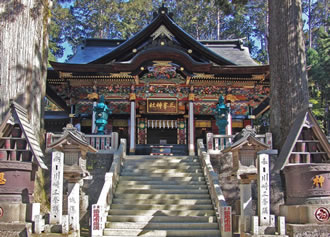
132,128
245,205
73,205
229,126
209,141
281,225
65,224
114,140
263,189
191,127
246,199
56,196
94,118
255,225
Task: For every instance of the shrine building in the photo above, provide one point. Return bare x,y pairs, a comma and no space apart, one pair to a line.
161,85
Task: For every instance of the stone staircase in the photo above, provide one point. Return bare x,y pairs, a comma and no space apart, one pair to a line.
161,196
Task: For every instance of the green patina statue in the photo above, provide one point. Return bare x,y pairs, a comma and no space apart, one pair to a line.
221,115
102,114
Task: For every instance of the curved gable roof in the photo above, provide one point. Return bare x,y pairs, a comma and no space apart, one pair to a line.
180,35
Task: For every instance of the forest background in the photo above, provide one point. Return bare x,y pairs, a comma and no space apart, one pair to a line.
75,20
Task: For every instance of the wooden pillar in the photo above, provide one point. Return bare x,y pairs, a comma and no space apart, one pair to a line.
191,127
93,118
132,128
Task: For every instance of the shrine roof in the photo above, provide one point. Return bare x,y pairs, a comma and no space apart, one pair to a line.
239,55
232,50
92,49
161,33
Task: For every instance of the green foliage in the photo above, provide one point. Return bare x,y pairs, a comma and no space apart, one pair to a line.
203,19
318,61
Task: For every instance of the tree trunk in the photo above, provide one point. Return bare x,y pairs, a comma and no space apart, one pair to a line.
289,86
309,23
23,50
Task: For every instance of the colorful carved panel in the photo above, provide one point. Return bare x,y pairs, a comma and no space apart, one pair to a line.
162,90
162,72
182,134
142,131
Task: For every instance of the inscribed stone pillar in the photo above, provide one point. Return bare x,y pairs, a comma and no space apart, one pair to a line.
263,189
56,196
132,128
191,126
73,205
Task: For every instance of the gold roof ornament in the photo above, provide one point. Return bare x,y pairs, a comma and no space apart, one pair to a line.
162,31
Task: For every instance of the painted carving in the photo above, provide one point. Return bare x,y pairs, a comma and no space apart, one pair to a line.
2,178
322,214
318,181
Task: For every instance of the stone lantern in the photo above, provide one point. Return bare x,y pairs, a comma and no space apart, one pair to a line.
68,161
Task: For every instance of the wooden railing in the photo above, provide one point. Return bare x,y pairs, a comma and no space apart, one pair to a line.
99,142
223,210
216,143
101,208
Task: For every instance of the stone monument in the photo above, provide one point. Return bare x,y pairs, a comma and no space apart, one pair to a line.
68,162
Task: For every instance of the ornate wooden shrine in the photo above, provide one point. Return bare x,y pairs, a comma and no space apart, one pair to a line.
161,84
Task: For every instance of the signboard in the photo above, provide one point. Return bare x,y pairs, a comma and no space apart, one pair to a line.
226,221
162,106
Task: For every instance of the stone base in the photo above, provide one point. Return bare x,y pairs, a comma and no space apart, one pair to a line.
13,212
15,229
306,214
251,235
307,230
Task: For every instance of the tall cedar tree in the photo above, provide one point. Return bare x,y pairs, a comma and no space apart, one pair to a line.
289,85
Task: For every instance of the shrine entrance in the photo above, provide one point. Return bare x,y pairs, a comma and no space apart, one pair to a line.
162,136
163,132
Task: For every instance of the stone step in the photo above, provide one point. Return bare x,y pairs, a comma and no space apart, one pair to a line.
160,207
160,182
162,201
168,175
160,233
162,212
160,186
153,159
161,191
162,166
160,178
163,171
161,226
140,157
162,196
158,219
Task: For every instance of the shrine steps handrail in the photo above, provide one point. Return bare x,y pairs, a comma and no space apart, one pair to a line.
100,209
214,187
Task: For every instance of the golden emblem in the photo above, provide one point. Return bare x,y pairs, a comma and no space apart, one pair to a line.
93,96
132,96
2,178
318,181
